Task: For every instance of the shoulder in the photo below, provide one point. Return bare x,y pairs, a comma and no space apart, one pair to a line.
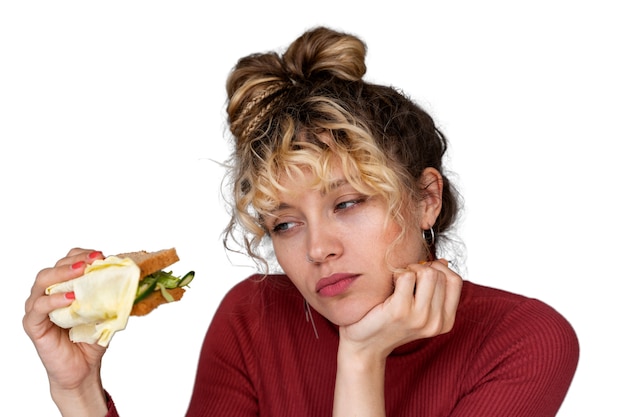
501,308
514,324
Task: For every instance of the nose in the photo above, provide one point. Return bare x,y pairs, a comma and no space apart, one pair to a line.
323,242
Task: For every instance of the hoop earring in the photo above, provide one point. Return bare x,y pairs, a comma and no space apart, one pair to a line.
429,237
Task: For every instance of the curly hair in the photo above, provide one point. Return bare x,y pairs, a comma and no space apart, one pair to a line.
310,106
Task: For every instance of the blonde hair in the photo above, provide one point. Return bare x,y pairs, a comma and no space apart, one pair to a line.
309,107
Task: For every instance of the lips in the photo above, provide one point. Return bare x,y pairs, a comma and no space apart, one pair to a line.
335,284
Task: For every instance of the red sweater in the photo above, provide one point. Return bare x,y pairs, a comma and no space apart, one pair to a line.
506,356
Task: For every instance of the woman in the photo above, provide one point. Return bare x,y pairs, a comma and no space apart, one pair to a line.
344,179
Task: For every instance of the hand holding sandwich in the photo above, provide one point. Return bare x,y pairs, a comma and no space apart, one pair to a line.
76,307
73,368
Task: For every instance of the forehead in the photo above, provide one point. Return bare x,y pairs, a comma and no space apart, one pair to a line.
323,179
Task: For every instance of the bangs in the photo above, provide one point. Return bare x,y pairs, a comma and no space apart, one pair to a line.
312,163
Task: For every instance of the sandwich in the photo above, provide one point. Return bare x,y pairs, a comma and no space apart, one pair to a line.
115,288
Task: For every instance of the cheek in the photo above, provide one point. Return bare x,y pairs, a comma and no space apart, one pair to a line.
288,256
405,251
294,265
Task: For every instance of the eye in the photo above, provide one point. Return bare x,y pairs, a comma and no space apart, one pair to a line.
282,227
349,203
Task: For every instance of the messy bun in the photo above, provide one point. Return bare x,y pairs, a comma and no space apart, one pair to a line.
310,106
258,79
324,53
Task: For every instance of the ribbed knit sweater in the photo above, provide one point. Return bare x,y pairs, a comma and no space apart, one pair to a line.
507,355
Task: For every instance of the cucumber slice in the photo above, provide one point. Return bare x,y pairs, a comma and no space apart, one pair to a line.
164,293
167,279
185,280
146,286
162,281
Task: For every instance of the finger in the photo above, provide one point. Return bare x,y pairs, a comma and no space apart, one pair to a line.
451,304
425,284
428,294
439,318
80,254
61,273
405,284
36,320
401,301
72,266
441,264
50,276
453,287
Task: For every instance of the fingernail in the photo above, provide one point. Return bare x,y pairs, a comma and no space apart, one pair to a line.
422,262
70,295
78,265
94,255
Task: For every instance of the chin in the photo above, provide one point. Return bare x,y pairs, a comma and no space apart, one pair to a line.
347,316
350,309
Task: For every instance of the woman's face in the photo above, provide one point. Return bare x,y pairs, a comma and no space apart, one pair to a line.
333,247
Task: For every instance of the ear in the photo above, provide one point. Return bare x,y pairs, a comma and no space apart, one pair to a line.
429,207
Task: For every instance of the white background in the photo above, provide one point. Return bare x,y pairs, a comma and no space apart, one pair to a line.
111,114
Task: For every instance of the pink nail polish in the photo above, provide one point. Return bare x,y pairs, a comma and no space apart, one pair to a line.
94,255
78,265
70,295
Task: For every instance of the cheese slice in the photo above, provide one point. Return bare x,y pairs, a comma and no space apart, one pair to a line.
104,299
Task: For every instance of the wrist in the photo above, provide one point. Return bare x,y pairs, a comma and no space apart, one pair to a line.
361,360
360,382
87,400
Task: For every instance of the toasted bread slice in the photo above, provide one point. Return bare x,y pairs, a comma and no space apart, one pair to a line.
149,263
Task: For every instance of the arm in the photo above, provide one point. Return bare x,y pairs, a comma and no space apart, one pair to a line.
423,305
73,368
359,385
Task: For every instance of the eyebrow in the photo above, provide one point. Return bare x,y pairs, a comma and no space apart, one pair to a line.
333,185
337,184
